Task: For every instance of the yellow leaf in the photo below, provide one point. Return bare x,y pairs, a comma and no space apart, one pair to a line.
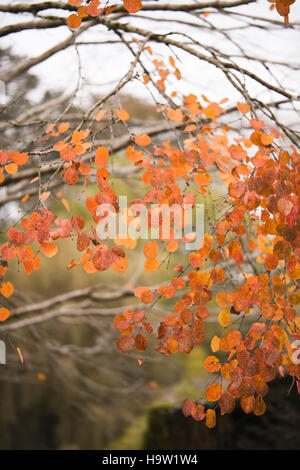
215,344
224,317
210,419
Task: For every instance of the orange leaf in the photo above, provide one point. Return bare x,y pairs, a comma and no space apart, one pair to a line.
20,158
172,61
93,8
214,392
101,158
150,250
252,244
141,342
66,204
266,139
196,260
125,344
151,265
142,140
63,127
202,178
49,249
260,406
50,128
3,270
257,124
132,6
45,195
20,355
134,155
282,249
72,264
172,345
218,275
175,115
4,314
187,405
71,176
122,114
248,403
144,293
120,266
243,107
122,322
58,146
100,115
11,168
74,21
198,412
215,344
210,420
172,246
6,289
212,364
224,317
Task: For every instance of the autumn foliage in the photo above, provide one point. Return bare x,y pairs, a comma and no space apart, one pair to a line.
94,9
261,174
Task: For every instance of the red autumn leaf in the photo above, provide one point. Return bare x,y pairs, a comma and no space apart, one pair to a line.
227,403
71,175
83,241
125,344
102,259
282,249
198,412
187,405
140,342
122,322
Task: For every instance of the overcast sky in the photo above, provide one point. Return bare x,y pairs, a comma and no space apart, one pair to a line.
104,64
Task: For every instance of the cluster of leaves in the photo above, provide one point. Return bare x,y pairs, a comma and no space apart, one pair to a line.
263,189
92,8
10,162
262,183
